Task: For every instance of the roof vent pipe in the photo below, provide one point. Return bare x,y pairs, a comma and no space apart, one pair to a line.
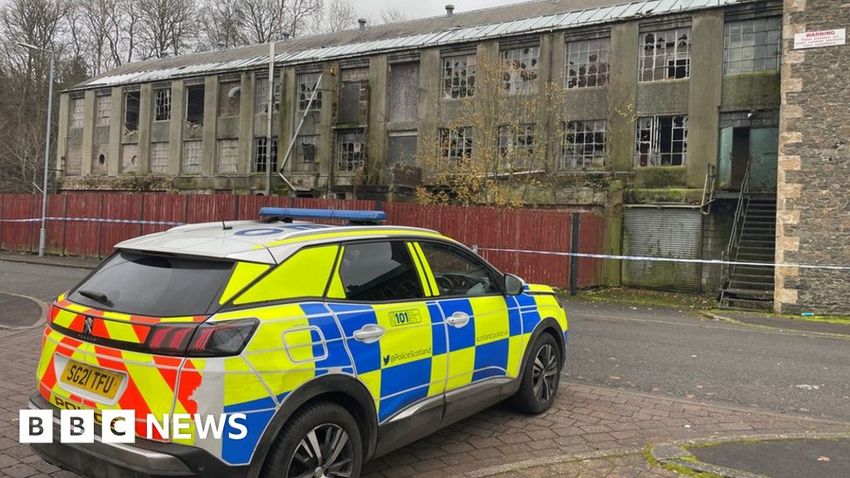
362,22
450,10
284,36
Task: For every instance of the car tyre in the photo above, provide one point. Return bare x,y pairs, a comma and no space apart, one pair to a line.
540,378
322,439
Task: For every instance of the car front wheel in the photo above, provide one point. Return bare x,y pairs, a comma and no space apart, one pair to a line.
540,378
320,441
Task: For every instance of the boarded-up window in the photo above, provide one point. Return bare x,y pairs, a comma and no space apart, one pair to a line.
261,95
354,97
195,104
402,148
159,158
77,112
191,158
102,110
404,92
227,155
130,158
74,161
228,98
131,111
98,164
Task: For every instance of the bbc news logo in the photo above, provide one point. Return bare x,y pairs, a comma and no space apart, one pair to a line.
118,426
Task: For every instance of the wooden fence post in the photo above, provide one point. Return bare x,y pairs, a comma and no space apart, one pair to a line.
574,222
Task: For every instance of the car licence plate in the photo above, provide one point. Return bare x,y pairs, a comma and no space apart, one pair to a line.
96,380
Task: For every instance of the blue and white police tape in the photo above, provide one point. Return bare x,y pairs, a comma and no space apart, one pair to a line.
669,259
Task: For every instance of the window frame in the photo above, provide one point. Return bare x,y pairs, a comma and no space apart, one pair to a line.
580,160
415,260
466,83
675,55
162,98
516,80
655,149
732,66
601,46
498,275
304,94
460,134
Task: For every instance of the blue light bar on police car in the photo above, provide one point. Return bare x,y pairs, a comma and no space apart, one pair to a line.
343,214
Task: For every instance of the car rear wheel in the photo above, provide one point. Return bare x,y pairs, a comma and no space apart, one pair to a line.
540,378
320,441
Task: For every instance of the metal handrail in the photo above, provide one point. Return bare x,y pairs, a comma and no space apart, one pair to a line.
740,212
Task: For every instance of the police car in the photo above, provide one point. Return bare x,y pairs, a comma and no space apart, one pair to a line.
335,344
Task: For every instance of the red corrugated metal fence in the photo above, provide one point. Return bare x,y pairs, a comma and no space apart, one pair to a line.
90,224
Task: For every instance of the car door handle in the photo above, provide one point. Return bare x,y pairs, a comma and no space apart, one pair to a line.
369,334
458,319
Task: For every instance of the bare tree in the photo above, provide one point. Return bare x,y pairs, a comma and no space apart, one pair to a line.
393,15
225,23
339,15
166,26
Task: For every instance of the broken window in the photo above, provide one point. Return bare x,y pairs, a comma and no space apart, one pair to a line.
584,144
401,148
261,154
520,70
354,97
102,110
753,46
131,111
456,143
665,55
261,95
191,158
159,158
195,105
229,93
459,76
227,155
306,87
162,104
350,150
516,143
587,63
305,153
77,112
662,141
404,92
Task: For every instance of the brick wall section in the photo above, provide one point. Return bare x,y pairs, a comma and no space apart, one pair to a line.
813,210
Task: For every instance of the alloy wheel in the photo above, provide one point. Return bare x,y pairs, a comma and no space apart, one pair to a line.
545,373
325,452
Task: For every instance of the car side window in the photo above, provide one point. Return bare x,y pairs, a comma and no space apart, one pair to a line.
378,271
458,273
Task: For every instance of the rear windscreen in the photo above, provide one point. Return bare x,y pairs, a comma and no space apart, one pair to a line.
152,285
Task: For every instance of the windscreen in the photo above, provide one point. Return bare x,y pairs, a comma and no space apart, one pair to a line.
157,286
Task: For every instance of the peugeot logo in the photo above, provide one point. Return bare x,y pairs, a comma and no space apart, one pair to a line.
87,325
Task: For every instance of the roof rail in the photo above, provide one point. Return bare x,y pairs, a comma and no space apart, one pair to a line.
287,214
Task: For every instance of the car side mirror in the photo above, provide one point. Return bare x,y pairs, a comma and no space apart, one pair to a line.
513,285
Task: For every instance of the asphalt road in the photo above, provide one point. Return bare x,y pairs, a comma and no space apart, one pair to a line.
647,349
680,354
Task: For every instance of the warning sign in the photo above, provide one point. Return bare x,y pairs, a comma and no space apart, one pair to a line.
820,39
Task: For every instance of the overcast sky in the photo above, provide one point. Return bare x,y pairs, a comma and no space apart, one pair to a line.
423,8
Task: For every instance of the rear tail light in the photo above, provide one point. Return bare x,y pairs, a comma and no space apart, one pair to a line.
217,339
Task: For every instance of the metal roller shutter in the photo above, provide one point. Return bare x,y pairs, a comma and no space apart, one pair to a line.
662,232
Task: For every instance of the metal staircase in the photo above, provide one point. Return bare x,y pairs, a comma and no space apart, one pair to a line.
753,240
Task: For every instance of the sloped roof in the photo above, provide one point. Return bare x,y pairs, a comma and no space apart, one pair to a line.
516,19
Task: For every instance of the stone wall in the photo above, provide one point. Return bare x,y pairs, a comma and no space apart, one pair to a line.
813,205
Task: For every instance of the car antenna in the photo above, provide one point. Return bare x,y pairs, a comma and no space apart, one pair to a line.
224,226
